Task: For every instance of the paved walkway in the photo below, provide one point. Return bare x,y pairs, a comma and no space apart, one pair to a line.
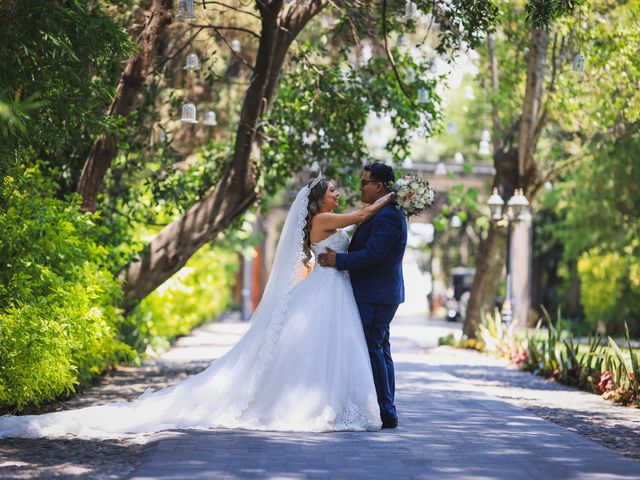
449,428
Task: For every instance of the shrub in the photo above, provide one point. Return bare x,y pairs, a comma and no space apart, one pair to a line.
610,290
599,368
58,325
200,291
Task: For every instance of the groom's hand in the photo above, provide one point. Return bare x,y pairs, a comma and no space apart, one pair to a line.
327,259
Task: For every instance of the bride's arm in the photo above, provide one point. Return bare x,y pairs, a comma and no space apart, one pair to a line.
331,221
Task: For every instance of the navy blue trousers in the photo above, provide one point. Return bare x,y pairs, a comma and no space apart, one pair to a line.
375,319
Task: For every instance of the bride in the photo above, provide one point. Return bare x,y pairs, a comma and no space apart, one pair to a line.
303,365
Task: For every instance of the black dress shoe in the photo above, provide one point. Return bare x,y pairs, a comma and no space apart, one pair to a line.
390,423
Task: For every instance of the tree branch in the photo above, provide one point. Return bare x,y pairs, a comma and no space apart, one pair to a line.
231,7
223,27
388,51
491,47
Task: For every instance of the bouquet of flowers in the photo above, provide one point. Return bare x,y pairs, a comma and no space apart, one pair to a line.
413,194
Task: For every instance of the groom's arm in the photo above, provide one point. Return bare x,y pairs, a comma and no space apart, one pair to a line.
384,235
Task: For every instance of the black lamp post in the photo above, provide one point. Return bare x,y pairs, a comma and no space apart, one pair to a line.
516,211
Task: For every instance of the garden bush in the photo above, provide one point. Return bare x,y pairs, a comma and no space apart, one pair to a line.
58,322
200,291
606,369
610,290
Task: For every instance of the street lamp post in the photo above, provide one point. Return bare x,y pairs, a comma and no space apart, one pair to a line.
516,211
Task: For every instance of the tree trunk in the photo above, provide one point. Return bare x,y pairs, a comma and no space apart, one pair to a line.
236,191
105,147
514,168
487,278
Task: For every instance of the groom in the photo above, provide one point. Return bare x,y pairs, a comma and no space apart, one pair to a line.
374,261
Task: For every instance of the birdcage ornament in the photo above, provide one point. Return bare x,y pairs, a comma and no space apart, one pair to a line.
423,96
458,157
193,62
188,113
577,64
484,148
410,10
402,41
468,93
236,46
409,75
210,119
186,10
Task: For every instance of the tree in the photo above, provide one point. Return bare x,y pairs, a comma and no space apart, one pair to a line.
105,147
528,128
236,189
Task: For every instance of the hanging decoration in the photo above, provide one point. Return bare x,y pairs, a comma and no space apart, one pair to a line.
402,41
210,119
186,10
411,11
423,95
188,113
484,148
236,46
193,62
409,76
577,62
468,93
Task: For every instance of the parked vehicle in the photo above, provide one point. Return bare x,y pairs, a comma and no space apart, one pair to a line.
462,280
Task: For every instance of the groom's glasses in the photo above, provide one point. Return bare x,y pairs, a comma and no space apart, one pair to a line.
363,182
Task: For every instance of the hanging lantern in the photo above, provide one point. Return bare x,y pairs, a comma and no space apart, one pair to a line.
409,76
193,62
188,113
210,119
577,64
441,169
236,46
484,148
496,203
410,10
486,136
468,93
402,41
423,96
185,10
366,53
458,157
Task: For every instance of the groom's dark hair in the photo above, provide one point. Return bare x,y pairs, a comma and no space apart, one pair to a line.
380,172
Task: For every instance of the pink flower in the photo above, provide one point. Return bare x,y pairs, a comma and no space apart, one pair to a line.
604,381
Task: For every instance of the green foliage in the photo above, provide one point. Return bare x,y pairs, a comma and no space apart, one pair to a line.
61,61
199,292
609,292
325,124
543,12
58,323
594,366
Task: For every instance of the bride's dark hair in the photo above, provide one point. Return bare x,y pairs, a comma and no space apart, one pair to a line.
316,197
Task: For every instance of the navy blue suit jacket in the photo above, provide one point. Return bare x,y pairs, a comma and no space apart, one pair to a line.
374,259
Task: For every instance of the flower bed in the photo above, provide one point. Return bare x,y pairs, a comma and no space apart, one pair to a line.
600,367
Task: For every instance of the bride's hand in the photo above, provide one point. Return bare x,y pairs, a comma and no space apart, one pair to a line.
388,198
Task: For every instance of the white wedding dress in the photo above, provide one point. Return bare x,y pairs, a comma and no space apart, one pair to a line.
303,365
